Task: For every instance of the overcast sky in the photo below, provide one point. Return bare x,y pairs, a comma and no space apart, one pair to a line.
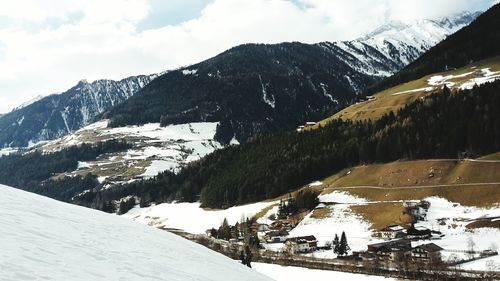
47,46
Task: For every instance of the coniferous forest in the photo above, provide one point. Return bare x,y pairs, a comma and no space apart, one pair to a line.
32,172
441,125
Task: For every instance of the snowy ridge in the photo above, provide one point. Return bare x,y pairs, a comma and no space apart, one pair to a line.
49,240
57,115
25,104
390,47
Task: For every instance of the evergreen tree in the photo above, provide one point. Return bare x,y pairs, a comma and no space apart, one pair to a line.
343,248
336,244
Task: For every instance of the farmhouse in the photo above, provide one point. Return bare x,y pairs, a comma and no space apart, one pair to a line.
391,232
306,125
303,244
427,253
388,251
418,232
278,236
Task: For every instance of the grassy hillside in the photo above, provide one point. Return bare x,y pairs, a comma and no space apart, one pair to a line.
469,183
397,97
465,182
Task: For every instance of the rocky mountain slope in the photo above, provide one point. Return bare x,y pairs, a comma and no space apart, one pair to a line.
57,115
256,89
475,42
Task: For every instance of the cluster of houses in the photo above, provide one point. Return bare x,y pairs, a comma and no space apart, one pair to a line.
278,232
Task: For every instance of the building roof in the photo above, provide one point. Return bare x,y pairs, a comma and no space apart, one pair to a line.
431,247
302,239
277,233
393,228
400,245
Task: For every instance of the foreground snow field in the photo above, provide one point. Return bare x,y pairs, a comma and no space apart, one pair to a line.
43,239
287,273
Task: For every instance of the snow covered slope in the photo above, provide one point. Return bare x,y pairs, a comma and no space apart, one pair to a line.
154,148
43,239
390,47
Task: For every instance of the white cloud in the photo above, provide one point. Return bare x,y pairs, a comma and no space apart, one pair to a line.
104,41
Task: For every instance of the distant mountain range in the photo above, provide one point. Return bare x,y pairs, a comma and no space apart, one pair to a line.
250,89
57,115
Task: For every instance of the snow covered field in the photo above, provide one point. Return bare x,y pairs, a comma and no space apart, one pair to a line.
154,148
451,219
466,80
460,81
190,217
43,239
288,273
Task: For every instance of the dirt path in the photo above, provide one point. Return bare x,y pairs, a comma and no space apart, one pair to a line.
414,187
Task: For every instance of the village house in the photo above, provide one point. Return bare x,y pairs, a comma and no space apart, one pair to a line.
277,236
306,125
303,244
391,232
282,224
427,253
418,233
260,227
388,251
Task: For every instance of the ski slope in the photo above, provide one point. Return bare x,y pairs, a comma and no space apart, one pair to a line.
43,239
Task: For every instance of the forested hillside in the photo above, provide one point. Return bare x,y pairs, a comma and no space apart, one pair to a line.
439,126
251,89
31,171
479,40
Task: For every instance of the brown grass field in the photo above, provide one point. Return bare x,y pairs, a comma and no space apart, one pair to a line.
394,98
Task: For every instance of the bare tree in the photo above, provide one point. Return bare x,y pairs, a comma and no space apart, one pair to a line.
471,246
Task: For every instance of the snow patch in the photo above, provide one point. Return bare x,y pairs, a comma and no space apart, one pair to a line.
426,89
266,97
189,71
191,217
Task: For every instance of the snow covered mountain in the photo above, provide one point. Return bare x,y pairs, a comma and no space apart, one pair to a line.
394,45
50,240
258,89
59,114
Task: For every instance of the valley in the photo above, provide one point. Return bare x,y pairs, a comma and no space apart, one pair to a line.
376,157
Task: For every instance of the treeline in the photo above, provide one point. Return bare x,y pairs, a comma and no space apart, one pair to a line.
473,43
439,126
32,171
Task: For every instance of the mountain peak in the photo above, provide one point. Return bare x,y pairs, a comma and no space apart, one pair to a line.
432,29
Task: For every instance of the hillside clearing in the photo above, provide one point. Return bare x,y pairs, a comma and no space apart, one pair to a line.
397,97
